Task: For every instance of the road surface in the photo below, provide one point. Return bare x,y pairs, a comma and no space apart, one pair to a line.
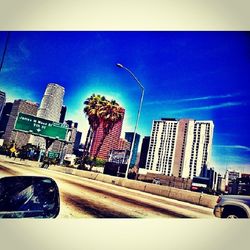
85,198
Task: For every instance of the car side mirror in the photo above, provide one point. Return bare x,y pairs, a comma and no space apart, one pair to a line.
29,197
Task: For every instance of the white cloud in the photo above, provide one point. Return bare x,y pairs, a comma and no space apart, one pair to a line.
208,107
208,97
202,98
234,147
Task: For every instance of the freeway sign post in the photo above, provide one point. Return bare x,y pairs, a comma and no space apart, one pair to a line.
41,127
50,130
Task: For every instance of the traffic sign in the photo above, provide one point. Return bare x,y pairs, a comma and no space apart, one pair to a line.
53,154
41,127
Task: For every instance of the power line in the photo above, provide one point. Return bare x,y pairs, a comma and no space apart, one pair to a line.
5,49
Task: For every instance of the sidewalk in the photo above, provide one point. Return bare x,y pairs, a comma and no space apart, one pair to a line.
24,162
37,164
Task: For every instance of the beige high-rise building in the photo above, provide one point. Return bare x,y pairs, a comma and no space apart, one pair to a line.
50,109
22,106
179,147
52,101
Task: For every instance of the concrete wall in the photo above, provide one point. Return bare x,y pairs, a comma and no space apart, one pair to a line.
165,191
171,181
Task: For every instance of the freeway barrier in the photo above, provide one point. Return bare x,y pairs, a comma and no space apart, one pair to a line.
171,181
86,174
73,171
157,189
166,191
184,195
137,185
62,170
107,178
207,200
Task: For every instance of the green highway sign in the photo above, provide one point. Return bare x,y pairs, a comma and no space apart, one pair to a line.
53,155
41,127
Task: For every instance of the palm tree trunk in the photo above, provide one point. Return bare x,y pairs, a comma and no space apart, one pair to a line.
85,149
99,147
90,140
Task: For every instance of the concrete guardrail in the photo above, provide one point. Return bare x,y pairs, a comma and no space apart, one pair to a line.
165,191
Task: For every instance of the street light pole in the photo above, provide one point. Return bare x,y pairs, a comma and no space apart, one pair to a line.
138,114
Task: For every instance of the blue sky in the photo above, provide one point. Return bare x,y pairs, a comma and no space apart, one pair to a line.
198,75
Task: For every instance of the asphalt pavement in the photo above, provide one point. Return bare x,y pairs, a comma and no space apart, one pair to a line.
85,198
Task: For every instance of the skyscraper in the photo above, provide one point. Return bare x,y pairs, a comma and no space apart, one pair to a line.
2,102
230,177
23,106
72,131
144,151
63,114
123,144
72,124
5,117
129,137
52,102
110,142
50,109
77,140
198,147
180,147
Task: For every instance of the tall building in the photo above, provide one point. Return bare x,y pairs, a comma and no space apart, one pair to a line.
180,147
212,176
72,124
129,137
50,109
77,140
72,131
144,151
221,184
2,102
63,114
110,142
5,117
52,102
245,175
23,106
230,176
123,144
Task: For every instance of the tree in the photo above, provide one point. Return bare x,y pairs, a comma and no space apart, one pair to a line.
92,111
104,113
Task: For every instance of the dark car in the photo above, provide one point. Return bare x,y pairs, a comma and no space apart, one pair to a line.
233,206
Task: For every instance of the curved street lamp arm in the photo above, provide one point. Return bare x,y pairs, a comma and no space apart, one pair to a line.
138,115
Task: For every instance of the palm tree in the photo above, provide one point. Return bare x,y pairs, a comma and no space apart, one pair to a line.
110,113
101,112
91,109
